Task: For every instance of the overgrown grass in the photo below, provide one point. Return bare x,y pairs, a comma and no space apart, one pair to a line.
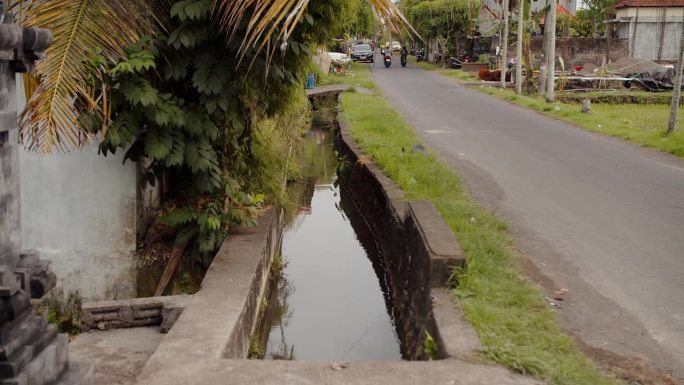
643,124
515,324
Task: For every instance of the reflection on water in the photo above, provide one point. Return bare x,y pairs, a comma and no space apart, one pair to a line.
328,304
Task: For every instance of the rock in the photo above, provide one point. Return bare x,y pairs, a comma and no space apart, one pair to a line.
559,295
586,106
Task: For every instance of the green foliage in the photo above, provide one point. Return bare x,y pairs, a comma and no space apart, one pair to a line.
185,104
256,351
358,18
582,24
594,13
448,20
62,310
431,347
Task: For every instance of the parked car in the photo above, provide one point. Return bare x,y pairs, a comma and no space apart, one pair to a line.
362,53
396,46
338,57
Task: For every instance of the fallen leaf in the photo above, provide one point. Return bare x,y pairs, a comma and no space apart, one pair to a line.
559,295
339,365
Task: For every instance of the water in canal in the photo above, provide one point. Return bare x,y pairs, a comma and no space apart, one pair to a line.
328,303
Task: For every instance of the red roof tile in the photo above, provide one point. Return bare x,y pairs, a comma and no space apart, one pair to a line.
649,3
560,10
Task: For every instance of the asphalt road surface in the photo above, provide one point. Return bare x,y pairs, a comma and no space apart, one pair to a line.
598,216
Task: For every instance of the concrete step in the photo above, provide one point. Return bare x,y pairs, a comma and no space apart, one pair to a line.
247,372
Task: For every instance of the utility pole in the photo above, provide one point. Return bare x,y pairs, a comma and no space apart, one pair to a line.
518,54
550,28
504,47
544,52
674,105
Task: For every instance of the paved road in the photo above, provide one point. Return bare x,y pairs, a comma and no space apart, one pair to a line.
596,215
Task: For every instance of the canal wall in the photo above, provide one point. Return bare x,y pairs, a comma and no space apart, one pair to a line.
218,322
417,249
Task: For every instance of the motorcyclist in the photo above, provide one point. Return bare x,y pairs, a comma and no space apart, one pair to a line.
403,54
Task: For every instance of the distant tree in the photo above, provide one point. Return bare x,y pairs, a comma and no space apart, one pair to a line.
582,25
446,20
359,19
596,12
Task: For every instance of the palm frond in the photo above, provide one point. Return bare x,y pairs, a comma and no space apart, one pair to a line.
267,16
79,28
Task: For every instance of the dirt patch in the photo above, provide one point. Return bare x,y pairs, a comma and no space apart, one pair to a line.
634,371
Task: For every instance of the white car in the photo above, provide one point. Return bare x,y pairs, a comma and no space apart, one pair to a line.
339,58
396,46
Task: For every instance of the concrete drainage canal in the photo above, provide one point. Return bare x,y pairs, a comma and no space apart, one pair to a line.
341,289
356,275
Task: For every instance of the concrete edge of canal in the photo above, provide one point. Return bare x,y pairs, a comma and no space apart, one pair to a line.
209,342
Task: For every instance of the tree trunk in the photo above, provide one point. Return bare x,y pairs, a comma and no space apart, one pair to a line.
518,53
550,28
504,46
171,267
609,35
674,106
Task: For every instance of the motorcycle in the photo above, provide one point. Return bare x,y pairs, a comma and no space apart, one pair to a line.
388,61
455,63
403,60
420,55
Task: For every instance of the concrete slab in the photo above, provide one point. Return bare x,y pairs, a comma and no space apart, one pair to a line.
445,252
134,312
336,89
118,355
329,89
248,372
457,335
219,320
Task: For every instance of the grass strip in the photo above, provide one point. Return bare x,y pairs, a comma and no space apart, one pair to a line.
509,313
357,75
459,75
643,123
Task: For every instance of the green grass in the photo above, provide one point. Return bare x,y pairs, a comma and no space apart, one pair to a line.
515,324
448,72
359,75
643,124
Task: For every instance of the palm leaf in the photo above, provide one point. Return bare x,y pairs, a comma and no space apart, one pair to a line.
79,28
267,16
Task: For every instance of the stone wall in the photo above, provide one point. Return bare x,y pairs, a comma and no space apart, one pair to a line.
417,250
580,50
9,173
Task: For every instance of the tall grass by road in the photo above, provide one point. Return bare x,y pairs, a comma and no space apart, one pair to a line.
515,324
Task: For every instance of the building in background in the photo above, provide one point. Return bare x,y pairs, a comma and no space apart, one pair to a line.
652,27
